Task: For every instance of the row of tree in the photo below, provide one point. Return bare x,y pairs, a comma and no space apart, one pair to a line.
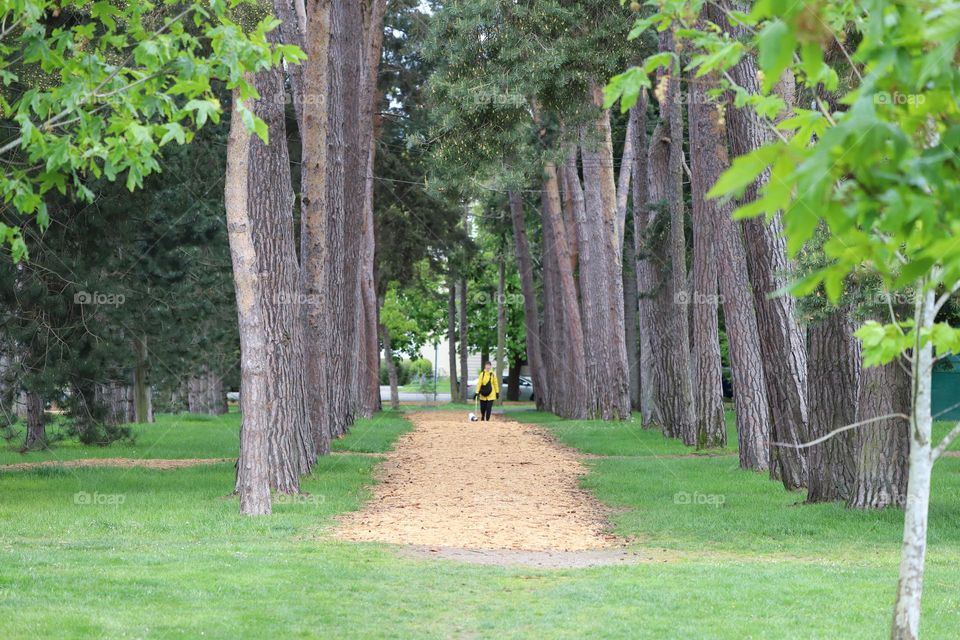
605,332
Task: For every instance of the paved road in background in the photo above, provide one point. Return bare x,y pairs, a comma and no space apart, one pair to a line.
413,397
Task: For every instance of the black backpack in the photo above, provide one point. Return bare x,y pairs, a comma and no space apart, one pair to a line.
485,389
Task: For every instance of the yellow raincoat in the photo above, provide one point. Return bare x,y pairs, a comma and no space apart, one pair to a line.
482,379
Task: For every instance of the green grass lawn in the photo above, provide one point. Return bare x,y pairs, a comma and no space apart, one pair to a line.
443,386
164,554
199,436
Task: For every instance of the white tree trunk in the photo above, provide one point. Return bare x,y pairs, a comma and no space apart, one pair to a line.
906,612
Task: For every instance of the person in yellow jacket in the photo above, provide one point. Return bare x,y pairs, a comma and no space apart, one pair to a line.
487,390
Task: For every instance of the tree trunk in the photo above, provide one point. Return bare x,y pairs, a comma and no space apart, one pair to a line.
567,349
630,304
833,372
313,224
391,367
881,449
369,383
464,344
705,168
346,180
739,312
501,319
663,234
253,482
292,16
452,339
782,347
513,389
368,364
627,164
142,393
114,403
36,428
643,267
270,204
906,611
601,272
214,400
572,208
204,393
530,313
198,392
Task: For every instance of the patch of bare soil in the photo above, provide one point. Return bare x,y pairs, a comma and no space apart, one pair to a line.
497,485
153,463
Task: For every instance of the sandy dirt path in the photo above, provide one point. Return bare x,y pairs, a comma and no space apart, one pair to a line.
480,485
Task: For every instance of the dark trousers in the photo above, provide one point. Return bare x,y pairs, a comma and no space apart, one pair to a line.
486,406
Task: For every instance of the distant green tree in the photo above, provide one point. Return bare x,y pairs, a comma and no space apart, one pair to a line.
96,89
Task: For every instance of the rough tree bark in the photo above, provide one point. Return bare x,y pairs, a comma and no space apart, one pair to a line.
628,252
739,311
601,270
513,388
630,303
204,393
643,266
452,338
530,312
572,208
567,342
391,367
705,168
501,318
253,484
113,402
270,204
833,377
881,449
345,187
464,344
36,425
663,234
293,27
313,221
782,344
142,393
626,173
368,384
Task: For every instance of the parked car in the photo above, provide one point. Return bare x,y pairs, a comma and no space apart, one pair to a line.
526,388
